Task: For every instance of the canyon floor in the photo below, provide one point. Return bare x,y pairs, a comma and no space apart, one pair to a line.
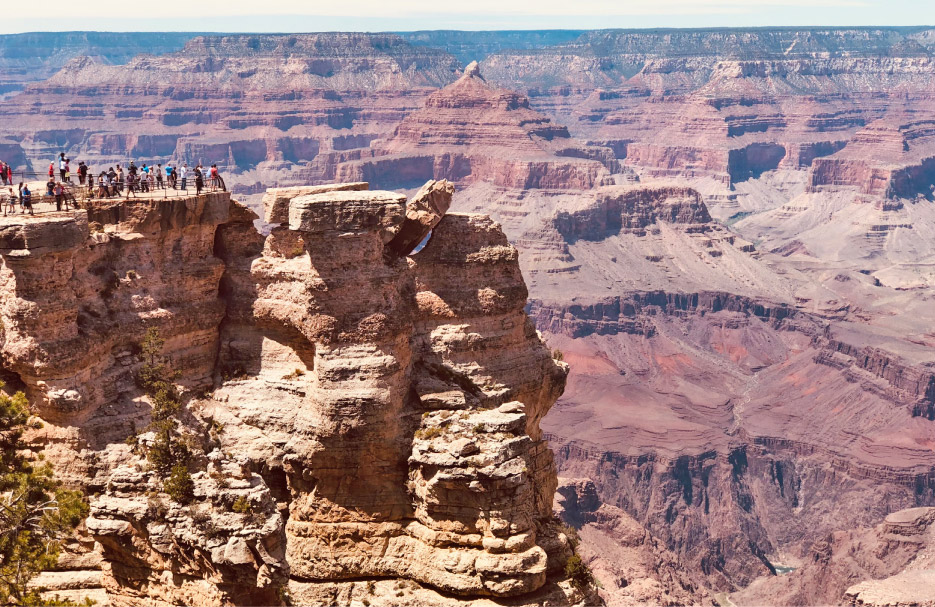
728,236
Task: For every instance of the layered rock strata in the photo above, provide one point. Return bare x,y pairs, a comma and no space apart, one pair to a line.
84,286
374,415
425,388
470,131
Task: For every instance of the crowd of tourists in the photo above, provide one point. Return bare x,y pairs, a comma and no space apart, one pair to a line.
148,178
115,181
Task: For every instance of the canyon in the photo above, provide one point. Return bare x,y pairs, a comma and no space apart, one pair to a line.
727,235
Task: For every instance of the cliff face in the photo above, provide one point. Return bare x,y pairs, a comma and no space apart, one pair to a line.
69,332
359,413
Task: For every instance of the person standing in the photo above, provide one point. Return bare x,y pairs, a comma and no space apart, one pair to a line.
10,202
199,180
183,173
61,166
159,176
131,184
67,171
9,174
52,170
59,196
26,198
3,172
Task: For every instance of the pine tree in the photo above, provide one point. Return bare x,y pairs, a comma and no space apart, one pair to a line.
169,453
36,513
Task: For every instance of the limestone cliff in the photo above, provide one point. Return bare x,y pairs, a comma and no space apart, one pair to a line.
365,419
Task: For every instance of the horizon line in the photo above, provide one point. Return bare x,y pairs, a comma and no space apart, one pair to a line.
482,30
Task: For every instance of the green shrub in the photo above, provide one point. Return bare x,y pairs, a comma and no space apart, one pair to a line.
170,453
578,572
429,433
242,505
180,486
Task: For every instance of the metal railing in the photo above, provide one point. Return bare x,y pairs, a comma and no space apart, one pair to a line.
177,187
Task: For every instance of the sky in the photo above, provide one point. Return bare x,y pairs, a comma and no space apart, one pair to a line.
405,15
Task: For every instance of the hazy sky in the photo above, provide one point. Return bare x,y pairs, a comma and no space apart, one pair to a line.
371,15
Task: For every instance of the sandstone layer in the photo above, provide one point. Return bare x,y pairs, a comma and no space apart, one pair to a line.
366,421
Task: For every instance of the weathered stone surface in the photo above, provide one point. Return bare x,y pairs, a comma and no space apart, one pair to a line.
276,200
44,234
351,212
213,552
634,567
916,588
79,302
373,415
890,564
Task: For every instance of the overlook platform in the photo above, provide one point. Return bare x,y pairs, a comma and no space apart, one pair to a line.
50,231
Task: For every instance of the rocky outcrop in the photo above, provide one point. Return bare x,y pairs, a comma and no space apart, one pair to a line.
226,549
423,213
632,209
400,383
913,385
357,413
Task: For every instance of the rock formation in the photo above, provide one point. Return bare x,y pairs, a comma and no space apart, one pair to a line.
269,110
366,421
471,130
